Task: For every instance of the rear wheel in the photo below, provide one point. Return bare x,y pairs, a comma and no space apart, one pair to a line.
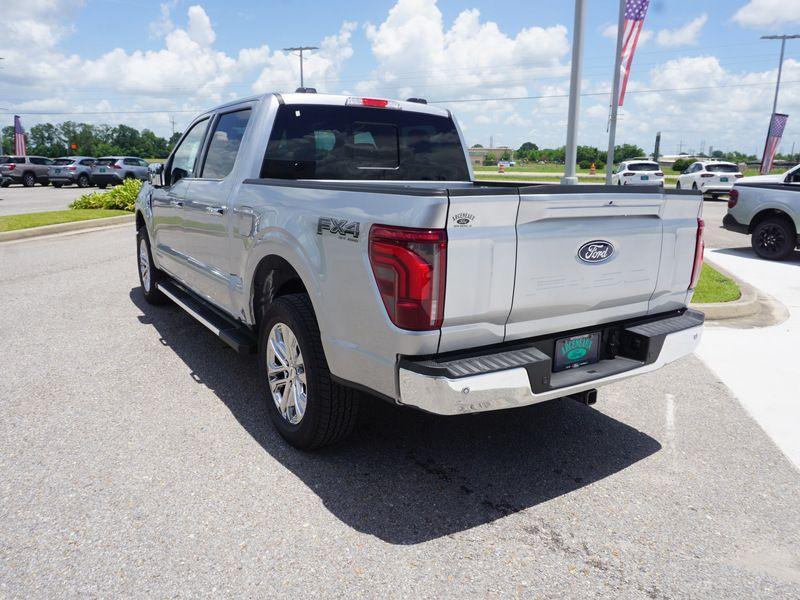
29,180
678,185
57,185
149,275
694,186
774,239
102,186
83,180
305,405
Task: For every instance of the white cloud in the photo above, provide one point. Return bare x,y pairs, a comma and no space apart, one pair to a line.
187,72
682,35
417,53
199,28
768,13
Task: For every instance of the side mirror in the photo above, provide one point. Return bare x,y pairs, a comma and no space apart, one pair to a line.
156,171
684,172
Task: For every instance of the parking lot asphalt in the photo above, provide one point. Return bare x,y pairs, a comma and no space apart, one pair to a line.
137,460
16,199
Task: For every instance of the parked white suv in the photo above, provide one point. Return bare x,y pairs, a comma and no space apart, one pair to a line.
638,172
711,177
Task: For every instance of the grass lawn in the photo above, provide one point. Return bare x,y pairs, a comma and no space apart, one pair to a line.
14,222
715,287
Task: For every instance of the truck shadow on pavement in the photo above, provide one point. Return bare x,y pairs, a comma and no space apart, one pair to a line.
408,477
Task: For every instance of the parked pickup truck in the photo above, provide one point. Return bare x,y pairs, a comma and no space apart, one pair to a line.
767,207
345,240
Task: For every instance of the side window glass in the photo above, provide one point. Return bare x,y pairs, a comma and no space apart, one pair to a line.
225,142
183,160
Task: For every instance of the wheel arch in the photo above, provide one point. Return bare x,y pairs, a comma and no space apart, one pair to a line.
770,213
273,277
140,222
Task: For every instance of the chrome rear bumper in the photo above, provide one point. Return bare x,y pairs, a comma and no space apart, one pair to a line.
511,388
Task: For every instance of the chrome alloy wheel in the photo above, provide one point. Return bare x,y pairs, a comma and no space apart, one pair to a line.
144,265
287,374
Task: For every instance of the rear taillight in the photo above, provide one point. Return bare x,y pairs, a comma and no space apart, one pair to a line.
733,197
699,246
410,267
738,175
72,168
11,166
628,174
659,173
706,174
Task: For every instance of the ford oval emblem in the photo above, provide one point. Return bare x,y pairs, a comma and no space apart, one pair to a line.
596,251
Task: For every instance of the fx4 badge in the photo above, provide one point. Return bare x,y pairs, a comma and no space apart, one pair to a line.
342,227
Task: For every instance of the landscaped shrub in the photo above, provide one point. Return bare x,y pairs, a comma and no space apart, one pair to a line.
121,197
680,165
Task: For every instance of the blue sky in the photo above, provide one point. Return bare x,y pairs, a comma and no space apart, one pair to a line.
166,60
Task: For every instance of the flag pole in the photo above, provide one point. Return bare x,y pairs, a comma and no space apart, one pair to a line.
612,121
573,112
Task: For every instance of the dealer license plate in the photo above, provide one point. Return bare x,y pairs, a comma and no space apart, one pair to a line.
645,177
723,179
576,351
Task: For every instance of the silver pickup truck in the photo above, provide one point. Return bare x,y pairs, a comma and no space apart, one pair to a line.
767,207
345,240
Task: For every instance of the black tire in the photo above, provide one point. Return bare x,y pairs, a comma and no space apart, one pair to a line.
5,183
29,180
102,186
694,186
774,238
57,185
149,288
331,409
677,185
129,176
83,180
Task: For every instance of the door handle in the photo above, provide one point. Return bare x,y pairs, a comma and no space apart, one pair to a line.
176,203
215,210
245,210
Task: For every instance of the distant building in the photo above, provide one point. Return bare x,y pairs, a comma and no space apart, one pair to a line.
476,155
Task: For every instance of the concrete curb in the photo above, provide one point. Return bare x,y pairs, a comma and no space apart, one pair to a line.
31,232
745,306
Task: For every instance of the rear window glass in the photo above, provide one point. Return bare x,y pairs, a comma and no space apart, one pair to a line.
643,167
347,142
11,159
722,168
104,162
63,161
5,159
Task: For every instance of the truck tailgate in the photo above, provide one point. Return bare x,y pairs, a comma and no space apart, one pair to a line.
583,258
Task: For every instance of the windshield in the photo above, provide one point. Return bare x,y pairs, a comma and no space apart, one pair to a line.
354,142
63,161
722,168
643,167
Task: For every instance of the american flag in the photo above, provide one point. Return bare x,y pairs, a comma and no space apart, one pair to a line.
19,137
635,10
776,127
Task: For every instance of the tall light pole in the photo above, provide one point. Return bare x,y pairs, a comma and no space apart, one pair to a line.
571,153
783,39
300,49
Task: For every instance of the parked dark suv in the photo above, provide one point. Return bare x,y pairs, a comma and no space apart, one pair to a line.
27,170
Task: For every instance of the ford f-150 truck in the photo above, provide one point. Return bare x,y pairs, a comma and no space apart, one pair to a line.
767,207
345,240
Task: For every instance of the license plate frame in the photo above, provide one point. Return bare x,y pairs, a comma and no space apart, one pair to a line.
645,177
576,351
723,180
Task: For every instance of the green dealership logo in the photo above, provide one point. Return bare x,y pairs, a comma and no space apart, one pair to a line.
576,349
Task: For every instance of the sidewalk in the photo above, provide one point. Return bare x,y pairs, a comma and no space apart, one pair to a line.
762,365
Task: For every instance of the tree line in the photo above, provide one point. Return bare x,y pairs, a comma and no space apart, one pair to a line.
530,152
85,139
